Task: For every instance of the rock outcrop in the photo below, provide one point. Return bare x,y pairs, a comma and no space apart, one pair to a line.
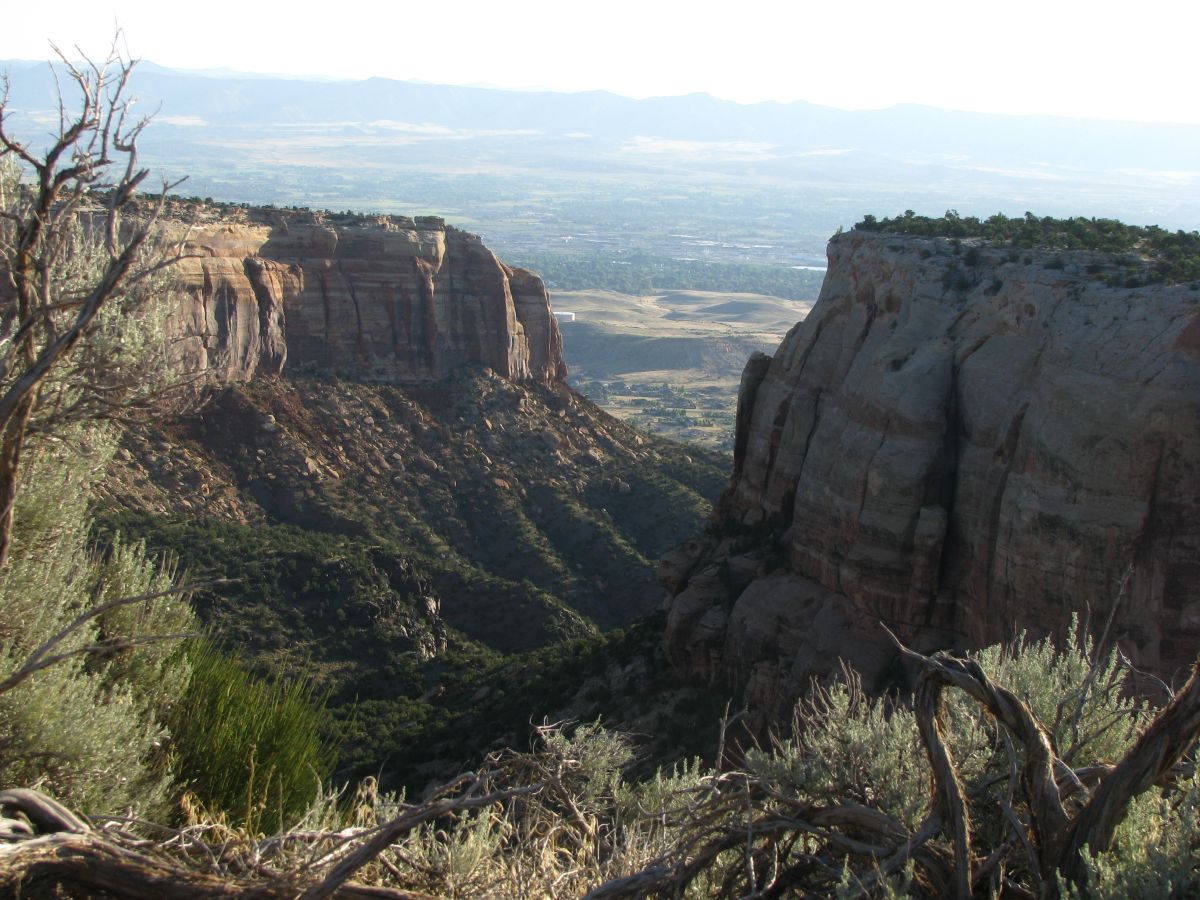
389,299
962,446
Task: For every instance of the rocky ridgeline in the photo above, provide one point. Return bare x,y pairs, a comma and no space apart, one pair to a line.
383,298
962,446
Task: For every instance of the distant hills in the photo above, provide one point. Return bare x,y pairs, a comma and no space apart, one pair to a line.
1043,142
688,178
671,362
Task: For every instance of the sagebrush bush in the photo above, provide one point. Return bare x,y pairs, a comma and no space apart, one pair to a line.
847,744
87,730
822,811
1155,853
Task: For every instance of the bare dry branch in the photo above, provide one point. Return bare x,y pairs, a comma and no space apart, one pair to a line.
1171,736
387,834
52,317
41,657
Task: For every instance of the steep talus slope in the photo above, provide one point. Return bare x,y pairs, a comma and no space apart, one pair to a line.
388,540
385,298
962,446
534,516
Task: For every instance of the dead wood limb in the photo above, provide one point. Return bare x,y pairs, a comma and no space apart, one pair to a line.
37,867
639,884
929,829
68,852
1153,758
34,868
848,814
949,800
714,835
1059,839
1049,818
389,833
44,813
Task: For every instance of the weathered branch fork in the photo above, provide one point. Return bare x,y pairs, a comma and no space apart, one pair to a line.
1070,811
1057,838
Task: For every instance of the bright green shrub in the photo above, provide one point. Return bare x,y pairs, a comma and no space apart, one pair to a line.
255,750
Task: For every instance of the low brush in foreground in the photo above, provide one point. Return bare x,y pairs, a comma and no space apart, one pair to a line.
973,787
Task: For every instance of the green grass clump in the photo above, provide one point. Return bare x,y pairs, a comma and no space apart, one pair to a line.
256,750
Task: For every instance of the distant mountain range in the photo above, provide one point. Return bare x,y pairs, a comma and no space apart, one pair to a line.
532,170
1043,142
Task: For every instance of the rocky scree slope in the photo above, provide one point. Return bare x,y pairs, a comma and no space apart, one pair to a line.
392,541
960,445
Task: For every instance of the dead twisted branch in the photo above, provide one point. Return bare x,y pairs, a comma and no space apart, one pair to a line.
1054,811
59,849
1154,759
1057,839
49,309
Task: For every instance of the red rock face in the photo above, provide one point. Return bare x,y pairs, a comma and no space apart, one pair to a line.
960,452
541,330
229,321
387,299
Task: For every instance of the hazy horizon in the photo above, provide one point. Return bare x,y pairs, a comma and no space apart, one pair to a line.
234,73
1063,59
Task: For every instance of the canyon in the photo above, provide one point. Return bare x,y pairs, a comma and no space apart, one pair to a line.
372,498
959,445
389,490
964,448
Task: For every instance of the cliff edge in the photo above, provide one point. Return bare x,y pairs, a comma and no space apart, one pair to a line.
380,298
962,446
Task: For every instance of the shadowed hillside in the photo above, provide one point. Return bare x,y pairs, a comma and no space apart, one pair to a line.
371,530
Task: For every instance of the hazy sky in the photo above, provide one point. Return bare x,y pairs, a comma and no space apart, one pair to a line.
1096,58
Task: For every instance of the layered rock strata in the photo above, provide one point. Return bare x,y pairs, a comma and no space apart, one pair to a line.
389,299
961,446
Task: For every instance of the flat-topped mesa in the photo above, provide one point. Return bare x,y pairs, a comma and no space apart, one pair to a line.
384,298
961,445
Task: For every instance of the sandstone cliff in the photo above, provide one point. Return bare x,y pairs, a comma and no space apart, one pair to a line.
962,446
388,299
